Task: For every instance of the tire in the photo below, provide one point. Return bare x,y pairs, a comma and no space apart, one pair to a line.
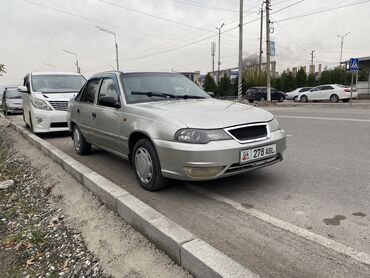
250,100
80,145
345,100
24,119
31,124
147,166
304,98
4,109
334,98
295,99
281,99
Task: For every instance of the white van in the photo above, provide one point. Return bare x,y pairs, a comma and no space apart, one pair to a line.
45,99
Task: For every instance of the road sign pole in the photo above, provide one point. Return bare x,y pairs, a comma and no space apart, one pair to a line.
350,98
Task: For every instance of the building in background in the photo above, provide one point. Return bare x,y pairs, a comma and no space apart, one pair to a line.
194,76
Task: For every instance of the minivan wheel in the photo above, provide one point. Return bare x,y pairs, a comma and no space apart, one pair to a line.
147,166
81,146
24,119
31,124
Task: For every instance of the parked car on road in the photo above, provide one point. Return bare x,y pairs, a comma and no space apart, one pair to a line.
11,101
331,92
45,99
293,95
168,127
260,93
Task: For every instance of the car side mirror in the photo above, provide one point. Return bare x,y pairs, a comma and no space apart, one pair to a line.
22,89
212,94
109,101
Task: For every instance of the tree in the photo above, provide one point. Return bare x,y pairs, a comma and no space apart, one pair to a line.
209,84
288,82
224,87
2,69
301,78
311,80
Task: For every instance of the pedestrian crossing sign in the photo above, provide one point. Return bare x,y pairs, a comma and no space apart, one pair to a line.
354,64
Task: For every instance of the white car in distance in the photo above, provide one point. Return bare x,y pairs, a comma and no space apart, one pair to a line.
329,92
293,95
45,99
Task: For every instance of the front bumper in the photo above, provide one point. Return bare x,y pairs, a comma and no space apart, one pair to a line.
51,121
174,156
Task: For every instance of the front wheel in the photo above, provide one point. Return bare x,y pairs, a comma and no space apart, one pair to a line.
295,99
81,146
304,98
147,166
334,98
251,100
345,100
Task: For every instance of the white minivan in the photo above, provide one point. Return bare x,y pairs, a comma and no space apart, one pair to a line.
45,99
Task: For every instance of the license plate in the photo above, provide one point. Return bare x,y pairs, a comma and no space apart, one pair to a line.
257,153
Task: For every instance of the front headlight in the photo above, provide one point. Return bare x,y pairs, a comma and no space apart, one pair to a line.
200,136
273,125
40,104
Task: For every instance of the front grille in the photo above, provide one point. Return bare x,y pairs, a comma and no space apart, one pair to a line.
236,167
60,124
59,105
249,132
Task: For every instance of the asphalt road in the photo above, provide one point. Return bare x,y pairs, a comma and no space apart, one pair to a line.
322,186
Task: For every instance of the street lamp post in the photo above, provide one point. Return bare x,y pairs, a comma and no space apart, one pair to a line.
115,41
50,65
75,54
341,46
219,51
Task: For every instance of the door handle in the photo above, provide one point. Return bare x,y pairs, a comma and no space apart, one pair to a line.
93,114
78,110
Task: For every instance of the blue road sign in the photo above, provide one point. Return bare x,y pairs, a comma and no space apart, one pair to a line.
354,64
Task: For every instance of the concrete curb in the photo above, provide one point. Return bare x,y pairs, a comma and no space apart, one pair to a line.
195,255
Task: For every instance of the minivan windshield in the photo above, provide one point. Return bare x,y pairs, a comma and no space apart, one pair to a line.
13,93
57,83
147,87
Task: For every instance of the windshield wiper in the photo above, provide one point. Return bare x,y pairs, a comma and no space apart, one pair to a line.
155,94
190,96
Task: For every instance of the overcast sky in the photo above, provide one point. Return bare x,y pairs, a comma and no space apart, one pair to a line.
176,37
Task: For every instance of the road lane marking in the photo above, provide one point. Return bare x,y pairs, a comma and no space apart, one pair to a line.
320,118
323,241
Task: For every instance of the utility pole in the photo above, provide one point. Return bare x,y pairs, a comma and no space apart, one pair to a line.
219,51
76,63
240,73
341,46
261,34
213,50
312,57
268,77
115,41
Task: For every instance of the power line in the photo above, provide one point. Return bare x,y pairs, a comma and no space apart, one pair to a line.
322,11
202,5
93,20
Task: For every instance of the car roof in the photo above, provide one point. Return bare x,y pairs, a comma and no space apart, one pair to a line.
54,73
132,73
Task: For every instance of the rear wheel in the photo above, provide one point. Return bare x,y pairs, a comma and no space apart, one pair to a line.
334,98
281,99
147,166
304,98
81,146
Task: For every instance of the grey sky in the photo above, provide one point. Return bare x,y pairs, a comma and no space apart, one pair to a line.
32,35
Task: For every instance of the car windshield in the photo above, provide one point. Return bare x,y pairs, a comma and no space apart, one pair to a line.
57,83
13,94
147,87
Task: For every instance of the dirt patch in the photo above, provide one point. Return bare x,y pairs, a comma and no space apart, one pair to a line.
121,250
335,221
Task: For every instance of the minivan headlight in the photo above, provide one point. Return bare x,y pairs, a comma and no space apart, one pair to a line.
40,104
200,136
273,125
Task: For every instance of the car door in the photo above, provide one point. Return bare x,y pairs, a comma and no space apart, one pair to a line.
84,107
326,92
106,119
314,94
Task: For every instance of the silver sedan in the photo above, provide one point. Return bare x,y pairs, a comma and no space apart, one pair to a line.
168,127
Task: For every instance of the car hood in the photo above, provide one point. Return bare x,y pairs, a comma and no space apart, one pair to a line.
14,101
206,113
56,96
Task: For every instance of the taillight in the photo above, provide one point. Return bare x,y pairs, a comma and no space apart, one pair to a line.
347,90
